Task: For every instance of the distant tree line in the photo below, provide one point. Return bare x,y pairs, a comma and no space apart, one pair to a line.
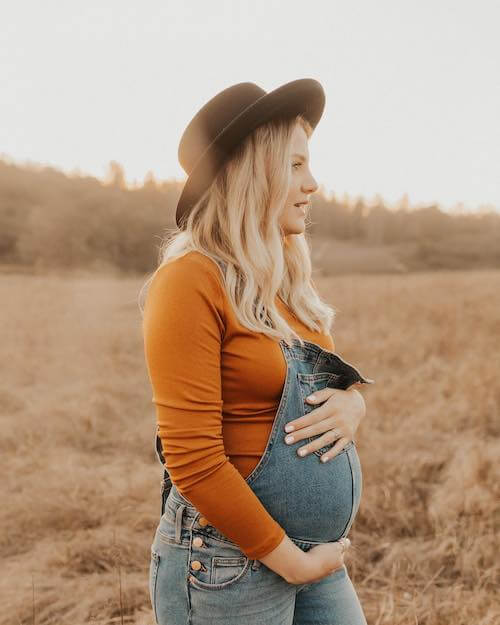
50,219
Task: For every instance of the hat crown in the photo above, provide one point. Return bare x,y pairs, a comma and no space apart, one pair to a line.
218,113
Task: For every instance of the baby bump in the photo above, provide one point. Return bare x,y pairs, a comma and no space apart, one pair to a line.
311,500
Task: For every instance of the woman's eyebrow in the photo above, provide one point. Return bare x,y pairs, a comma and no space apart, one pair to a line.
300,156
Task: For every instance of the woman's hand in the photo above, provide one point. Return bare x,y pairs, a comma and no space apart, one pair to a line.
320,561
299,567
337,419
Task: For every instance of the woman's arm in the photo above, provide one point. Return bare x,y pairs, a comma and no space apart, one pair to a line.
183,331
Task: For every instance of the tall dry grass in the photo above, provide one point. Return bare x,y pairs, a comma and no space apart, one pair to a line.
80,487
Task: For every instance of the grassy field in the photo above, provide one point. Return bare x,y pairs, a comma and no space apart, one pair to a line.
81,486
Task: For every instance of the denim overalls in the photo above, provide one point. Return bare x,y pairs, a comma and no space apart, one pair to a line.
199,576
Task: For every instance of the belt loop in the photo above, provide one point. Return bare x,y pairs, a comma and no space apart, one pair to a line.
178,522
256,564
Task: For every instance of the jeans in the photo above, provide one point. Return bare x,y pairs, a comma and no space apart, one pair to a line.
231,589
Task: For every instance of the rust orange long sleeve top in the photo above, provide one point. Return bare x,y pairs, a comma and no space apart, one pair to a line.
216,390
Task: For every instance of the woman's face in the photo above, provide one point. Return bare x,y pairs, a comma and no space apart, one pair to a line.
292,219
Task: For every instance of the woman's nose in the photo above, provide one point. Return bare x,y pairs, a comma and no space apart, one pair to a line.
311,186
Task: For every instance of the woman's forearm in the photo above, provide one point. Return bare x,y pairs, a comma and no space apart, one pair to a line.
285,559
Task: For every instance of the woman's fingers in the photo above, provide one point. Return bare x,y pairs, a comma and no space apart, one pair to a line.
345,542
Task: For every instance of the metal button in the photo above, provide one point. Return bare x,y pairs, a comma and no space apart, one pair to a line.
196,565
197,542
202,521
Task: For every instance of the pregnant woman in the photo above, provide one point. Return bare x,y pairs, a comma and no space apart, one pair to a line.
236,340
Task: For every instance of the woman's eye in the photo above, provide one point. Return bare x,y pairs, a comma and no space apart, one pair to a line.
297,164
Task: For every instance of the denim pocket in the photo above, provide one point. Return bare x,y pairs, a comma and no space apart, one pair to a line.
213,563
153,577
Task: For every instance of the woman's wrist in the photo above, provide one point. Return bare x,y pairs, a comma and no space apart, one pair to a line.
285,559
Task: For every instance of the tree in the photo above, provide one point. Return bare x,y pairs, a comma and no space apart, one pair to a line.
115,176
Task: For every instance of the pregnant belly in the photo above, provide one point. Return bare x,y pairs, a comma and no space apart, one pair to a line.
313,501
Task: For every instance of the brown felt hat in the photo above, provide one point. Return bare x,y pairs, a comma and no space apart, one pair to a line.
227,118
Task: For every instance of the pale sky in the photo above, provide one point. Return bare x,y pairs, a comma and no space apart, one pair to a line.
412,88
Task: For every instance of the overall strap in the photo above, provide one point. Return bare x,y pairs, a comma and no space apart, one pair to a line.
166,482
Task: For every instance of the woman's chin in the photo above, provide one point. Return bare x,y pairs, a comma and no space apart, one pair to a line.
298,227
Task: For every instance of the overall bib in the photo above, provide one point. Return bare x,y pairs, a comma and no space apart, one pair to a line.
199,576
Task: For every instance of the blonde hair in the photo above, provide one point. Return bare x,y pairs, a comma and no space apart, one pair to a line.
236,221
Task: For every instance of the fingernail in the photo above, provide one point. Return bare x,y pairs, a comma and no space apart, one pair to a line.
312,398
289,439
289,428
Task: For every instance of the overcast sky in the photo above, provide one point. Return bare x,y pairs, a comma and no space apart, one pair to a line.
412,88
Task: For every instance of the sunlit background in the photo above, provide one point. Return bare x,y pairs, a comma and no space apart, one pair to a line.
412,88
405,244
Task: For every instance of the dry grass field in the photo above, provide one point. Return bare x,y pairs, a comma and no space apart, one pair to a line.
81,485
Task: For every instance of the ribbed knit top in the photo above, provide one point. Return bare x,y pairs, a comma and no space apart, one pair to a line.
216,390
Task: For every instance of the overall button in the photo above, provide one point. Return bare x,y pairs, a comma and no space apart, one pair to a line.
196,565
202,521
197,542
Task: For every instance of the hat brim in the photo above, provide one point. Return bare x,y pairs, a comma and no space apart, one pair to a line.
303,96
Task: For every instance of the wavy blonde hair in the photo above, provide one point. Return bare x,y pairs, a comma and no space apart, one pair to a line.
237,221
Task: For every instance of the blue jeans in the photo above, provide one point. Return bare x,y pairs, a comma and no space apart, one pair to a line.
231,589
198,576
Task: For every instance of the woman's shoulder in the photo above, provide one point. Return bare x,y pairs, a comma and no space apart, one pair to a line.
191,270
